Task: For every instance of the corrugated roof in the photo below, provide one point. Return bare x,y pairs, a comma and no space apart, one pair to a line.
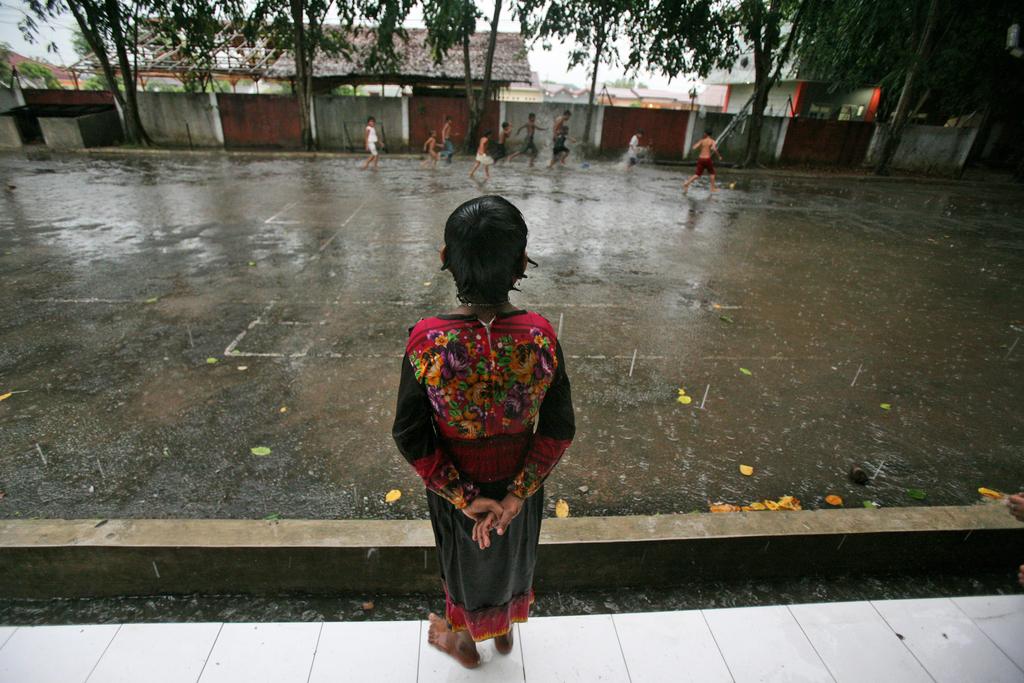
418,65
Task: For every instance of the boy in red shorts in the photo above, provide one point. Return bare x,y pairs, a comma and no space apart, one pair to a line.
707,146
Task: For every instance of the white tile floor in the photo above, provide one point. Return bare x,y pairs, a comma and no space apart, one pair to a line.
967,640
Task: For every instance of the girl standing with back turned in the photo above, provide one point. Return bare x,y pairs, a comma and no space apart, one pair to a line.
475,382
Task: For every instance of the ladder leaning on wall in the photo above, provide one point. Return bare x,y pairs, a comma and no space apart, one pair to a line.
741,117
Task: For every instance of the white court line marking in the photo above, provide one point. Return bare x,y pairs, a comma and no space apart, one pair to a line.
343,226
273,219
230,350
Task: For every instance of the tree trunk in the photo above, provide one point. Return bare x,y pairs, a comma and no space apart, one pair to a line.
598,49
761,88
474,116
301,82
133,122
900,115
476,113
86,16
766,29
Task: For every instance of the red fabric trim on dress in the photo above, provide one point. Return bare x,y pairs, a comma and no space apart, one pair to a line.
489,622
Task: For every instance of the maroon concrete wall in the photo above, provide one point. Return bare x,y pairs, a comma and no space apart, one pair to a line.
427,113
260,121
664,130
33,96
833,143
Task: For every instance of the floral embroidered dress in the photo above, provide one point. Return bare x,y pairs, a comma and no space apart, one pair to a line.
484,410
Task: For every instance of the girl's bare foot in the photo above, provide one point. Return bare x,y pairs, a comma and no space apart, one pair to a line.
503,644
459,645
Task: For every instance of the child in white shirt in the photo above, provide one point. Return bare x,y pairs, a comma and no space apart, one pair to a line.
370,142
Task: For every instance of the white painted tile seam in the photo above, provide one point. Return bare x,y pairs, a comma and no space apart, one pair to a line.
419,651
811,643
316,648
8,638
984,633
625,662
210,652
98,659
717,646
902,640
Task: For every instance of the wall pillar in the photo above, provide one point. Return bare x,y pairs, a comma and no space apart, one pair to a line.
218,127
405,122
783,129
691,125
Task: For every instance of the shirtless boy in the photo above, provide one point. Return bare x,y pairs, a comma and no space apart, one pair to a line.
559,136
498,152
430,147
707,147
529,147
447,145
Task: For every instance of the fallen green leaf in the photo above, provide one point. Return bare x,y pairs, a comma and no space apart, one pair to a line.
916,494
870,504
252,263
211,360
746,372
153,300
260,450
885,406
725,318
273,517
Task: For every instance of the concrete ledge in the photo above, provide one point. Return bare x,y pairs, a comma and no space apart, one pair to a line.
78,558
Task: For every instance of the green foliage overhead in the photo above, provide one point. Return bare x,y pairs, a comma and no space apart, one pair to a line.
873,42
5,65
39,74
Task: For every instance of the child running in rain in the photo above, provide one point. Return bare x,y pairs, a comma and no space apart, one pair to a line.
529,147
430,147
634,149
560,151
370,143
498,151
707,147
482,158
446,141
484,414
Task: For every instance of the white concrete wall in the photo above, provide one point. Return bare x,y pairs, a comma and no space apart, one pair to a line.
935,150
777,98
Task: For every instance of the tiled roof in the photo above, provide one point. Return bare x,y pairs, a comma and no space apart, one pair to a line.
510,60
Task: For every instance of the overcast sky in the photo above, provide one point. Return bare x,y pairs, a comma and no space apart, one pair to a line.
551,64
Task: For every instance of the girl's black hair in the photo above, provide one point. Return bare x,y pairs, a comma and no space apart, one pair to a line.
485,240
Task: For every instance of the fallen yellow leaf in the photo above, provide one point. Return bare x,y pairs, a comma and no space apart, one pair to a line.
561,509
4,397
392,496
746,470
685,400
757,506
789,503
284,409
771,505
833,499
724,507
988,493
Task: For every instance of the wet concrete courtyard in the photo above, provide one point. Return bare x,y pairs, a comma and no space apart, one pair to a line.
164,315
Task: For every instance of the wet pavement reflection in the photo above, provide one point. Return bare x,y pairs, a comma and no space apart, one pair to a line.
124,278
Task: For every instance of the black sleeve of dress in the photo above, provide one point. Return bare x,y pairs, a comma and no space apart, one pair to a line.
555,430
413,432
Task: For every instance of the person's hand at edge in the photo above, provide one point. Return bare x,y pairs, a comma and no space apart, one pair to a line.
511,505
1016,505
